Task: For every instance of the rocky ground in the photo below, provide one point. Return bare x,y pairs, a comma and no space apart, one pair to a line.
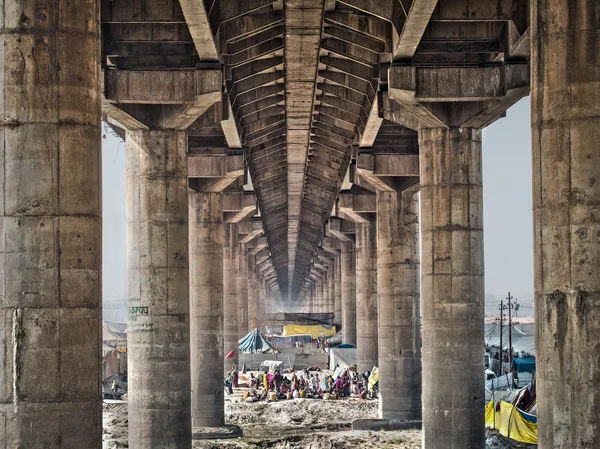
302,423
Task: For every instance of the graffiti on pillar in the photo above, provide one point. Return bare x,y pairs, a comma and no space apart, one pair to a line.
137,312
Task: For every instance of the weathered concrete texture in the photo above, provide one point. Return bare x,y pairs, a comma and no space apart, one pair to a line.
337,291
565,108
157,267
331,292
399,305
453,287
253,291
230,296
348,281
242,288
51,226
366,295
206,308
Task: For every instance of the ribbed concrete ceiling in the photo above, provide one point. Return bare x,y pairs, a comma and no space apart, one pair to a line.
302,78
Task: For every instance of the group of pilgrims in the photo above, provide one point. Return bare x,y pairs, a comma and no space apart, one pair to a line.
275,386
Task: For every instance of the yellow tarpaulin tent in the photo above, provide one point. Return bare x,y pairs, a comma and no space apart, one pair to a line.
314,330
510,423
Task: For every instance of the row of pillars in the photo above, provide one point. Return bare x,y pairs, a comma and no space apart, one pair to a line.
51,233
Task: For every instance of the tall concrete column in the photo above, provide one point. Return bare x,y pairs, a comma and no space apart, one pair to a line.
337,279
453,287
398,304
158,328
565,108
348,263
252,294
230,296
366,295
51,230
206,309
242,282
331,291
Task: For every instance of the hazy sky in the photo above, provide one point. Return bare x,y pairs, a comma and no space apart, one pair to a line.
507,214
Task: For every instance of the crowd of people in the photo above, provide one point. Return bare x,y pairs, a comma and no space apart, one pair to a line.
277,386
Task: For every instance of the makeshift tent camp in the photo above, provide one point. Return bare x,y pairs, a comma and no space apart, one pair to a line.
526,365
254,343
315,331
511,422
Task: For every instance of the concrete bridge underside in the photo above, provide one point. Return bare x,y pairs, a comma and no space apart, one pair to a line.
289,155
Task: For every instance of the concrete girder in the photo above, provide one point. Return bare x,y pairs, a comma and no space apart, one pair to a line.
352,52
265,48
243,44
243,26
456,84
195,90
251,68
512,81
358,39
213,166
349,214
221,12
244,214
386,164
265,102
251,236
374,27
117,117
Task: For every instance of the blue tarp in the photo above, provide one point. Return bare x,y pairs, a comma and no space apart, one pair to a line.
523,365
254,343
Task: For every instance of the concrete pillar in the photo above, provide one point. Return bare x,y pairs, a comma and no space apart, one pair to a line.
366,295
565,108
337,279
348,281
398,305
51,225
230,296
252,294
453,287
158,328
206,309
331,291
243,291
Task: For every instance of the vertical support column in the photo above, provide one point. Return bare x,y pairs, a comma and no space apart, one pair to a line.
348,263
253,291
206,310
398,304
453,287
331,291
51,225
158,329
565,108
366,296
230,296
243,291
337,279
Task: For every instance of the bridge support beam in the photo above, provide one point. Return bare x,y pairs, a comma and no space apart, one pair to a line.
51,233
565,134
231,300
453,287
366,295
399,304
157,265
348,282
206,289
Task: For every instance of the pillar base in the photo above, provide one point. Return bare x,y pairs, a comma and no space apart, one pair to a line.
217,433
378,425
